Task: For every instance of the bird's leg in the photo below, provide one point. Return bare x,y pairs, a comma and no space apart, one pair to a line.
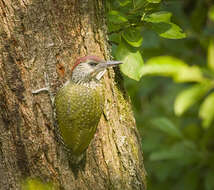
45,89
40,90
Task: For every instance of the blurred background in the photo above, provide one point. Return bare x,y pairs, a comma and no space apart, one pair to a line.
173,95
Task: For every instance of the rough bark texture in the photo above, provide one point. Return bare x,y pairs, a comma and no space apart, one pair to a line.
39,41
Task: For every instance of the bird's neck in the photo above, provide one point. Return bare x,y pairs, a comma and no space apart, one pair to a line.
94,83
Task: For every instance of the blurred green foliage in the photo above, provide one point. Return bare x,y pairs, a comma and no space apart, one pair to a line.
173,99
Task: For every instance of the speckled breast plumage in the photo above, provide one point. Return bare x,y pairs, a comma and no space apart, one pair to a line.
78,111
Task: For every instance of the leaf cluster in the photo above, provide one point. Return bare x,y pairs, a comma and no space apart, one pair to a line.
174,98
127,19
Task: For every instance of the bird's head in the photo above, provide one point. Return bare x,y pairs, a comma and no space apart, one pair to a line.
90,68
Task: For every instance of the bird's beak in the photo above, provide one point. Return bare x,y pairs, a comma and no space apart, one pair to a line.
104,65
101,68
113,63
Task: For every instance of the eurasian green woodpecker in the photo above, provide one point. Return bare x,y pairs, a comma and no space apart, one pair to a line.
79,103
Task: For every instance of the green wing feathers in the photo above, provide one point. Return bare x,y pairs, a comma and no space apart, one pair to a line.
78,111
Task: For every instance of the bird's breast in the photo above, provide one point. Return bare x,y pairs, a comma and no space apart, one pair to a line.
78,111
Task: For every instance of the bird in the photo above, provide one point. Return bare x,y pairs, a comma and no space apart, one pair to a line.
79,103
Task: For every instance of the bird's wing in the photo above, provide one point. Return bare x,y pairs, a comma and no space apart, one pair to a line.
78,110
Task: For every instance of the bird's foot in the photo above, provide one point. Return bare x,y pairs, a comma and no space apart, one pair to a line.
45,89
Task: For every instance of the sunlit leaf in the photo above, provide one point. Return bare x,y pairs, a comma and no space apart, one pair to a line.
116,17
210,56
167,127
189,74
206,111
174,32
133,37
163,26
172,67
132,61
188,97
158,17
154,1
168,30
162,65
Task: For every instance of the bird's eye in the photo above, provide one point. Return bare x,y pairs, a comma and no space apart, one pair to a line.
92,63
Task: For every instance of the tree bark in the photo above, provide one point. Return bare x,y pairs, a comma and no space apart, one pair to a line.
39,42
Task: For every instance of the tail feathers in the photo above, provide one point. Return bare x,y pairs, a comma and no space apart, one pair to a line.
73,159
77,163
77,160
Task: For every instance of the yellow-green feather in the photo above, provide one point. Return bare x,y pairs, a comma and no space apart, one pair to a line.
78,111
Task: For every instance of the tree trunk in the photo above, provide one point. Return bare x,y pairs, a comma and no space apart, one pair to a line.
39,42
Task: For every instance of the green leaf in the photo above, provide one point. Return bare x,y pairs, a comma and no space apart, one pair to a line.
174,32
133,37
115,38
124,2
163,26
206,111
154,1
116,17
189,74
162,65
137,4
172,67
167,127
132,61
190,96
168,30
210,56
158,17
